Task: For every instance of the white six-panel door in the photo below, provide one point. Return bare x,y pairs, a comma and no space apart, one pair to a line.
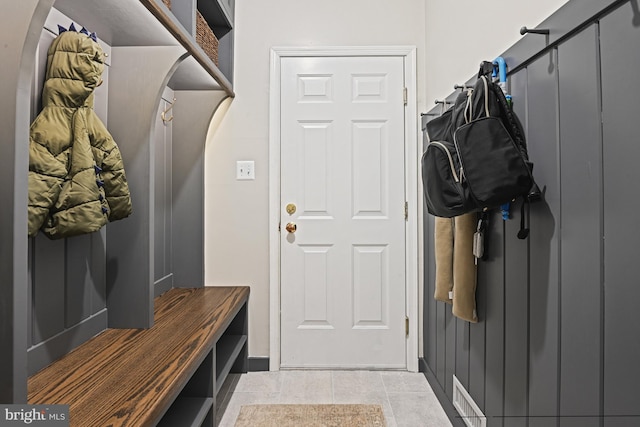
343,171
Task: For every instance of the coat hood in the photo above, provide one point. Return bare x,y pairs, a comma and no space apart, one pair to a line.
74,67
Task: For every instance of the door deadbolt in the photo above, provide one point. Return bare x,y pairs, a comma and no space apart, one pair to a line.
291,208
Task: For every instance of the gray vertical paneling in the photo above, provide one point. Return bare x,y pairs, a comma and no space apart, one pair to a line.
516,356
30,250
477,337
450,350
580,177
168,253
430,351
516,296
168,225
98,270
48,274
492,273
462,352
160,201
558,339
441,358
163,278
477,343
97,241
190,128
430,305
85,277
544,242
435,342
78,280
158,188
619,37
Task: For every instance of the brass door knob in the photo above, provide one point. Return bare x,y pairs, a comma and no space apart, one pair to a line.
291,227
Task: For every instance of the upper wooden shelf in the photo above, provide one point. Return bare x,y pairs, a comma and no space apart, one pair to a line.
147,23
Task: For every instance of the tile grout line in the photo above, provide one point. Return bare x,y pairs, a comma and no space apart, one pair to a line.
386,395
333,393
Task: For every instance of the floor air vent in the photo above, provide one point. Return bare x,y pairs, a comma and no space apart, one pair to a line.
467,408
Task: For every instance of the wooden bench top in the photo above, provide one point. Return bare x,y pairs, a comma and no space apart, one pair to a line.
131,376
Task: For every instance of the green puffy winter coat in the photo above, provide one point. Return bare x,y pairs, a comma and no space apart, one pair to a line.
76,175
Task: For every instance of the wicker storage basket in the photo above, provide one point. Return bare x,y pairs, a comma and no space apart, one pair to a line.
206,39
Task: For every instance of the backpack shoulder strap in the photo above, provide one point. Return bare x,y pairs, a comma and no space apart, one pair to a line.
510,119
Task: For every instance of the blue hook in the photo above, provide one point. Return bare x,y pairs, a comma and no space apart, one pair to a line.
502,69
502,72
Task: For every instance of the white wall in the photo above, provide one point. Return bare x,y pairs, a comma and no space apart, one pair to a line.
236,212
236,228
463,33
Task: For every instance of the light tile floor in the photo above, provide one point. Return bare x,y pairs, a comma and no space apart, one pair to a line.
406,397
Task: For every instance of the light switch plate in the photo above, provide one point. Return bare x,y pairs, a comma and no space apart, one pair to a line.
245,169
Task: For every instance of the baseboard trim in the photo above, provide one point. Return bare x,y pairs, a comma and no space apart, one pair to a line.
257,364
446,404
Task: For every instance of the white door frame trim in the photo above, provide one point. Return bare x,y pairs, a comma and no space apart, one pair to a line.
412,157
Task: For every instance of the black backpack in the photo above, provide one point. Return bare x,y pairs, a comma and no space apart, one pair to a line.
477,159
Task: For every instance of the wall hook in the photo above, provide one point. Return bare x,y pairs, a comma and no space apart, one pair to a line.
463,87
525,30
163,115
444,105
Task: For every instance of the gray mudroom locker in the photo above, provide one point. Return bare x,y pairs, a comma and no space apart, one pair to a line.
158,97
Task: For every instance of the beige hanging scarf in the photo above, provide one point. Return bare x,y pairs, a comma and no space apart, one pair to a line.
456,270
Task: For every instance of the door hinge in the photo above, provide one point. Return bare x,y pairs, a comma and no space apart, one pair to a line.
406,326
405,95
279,227
406,211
